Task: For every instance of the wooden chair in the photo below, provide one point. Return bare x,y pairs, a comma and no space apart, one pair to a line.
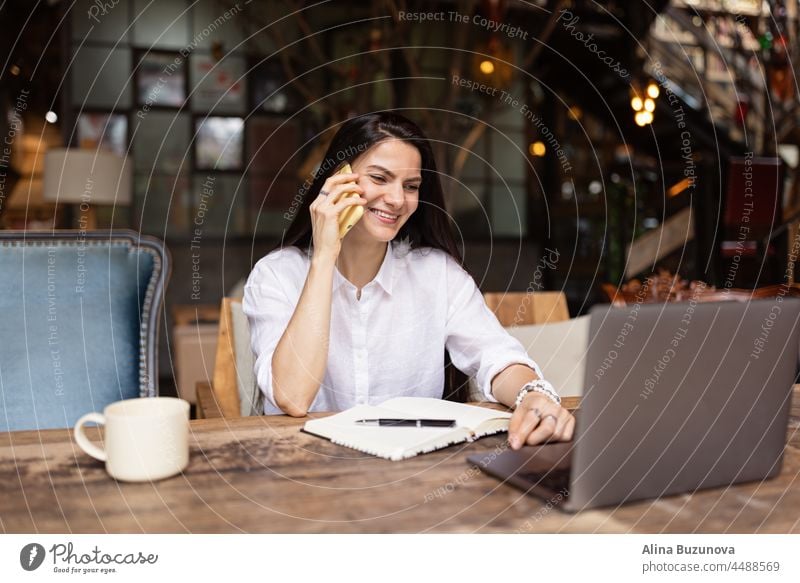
518,311
233,370
518,308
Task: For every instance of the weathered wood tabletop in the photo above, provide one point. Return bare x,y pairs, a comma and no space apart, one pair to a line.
262,474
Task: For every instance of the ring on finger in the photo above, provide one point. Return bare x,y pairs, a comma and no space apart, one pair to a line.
323,193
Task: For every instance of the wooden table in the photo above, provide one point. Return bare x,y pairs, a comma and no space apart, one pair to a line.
261,474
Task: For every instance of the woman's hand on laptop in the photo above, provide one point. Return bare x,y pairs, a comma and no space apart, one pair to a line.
538,419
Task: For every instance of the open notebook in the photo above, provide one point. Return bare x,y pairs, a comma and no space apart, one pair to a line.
396,443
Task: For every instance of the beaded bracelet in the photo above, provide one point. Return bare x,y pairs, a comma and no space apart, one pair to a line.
539,386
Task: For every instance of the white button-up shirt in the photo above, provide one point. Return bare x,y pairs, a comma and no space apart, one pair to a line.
391,342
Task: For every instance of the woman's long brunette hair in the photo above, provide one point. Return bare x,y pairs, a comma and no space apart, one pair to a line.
428,226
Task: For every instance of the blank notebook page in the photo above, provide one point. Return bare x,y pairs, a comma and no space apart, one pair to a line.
401,442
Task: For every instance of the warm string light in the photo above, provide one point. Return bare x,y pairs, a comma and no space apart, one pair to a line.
644,108
537,149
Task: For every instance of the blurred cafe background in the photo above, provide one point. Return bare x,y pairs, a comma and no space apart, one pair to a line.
592,149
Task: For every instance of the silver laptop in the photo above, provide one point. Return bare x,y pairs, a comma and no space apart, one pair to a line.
678,397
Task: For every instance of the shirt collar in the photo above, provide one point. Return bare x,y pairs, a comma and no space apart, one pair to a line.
384,276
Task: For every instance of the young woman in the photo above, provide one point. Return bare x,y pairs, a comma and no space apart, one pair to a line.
337,323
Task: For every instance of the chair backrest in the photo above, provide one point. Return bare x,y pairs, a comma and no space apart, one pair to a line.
234,384
559,348
224,382
250,396
518,308
79,326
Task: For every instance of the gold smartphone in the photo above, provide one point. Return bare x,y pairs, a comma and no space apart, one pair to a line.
352,214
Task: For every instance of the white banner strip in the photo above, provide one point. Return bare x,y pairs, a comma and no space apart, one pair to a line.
400,558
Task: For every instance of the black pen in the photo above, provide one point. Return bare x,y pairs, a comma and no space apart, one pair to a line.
408,422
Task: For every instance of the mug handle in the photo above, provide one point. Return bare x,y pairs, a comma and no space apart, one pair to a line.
83,441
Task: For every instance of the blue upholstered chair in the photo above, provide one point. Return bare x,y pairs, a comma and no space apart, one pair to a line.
79,315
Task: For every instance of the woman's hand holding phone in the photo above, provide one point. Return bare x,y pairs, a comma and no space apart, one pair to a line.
337,208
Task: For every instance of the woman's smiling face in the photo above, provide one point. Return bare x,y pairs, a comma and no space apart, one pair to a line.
390,174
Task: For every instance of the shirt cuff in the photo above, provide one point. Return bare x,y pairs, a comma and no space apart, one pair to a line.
486,385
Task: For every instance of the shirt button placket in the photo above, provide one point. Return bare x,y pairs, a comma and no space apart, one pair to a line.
362,376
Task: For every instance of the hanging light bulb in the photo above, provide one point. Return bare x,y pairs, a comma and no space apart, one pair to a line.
643,103
537,149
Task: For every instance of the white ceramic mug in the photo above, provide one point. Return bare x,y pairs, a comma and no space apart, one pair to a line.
145,439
